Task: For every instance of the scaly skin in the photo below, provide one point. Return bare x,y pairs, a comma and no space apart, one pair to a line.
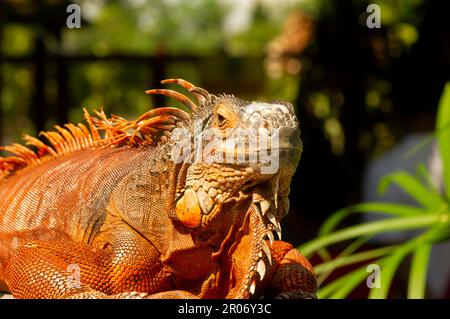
135,223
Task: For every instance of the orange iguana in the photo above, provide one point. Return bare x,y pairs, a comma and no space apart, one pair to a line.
175,204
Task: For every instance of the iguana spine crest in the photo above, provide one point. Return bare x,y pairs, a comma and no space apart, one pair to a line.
150,128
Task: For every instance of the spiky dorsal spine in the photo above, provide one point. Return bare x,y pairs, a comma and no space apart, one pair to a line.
149,129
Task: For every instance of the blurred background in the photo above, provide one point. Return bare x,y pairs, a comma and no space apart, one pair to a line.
358,92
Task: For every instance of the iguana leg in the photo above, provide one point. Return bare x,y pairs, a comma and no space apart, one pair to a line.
51,270
37,270
292,276
130,269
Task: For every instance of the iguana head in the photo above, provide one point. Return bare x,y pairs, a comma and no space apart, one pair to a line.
238,159
237,147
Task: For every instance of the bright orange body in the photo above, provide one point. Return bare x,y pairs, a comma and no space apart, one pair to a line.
102,212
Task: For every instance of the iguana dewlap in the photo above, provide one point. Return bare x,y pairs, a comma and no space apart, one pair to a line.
172,205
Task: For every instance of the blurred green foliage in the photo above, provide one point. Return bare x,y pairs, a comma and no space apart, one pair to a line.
131,27
143,27
431,217
171,27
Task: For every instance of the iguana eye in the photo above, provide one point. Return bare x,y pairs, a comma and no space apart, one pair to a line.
221,120
224,117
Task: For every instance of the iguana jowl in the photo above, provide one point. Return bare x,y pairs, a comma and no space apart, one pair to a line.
110,200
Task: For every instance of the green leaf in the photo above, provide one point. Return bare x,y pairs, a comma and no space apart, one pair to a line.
324,254
352,259
342,286
389,266
443,126
381,208
346,252
425,174
414,188
377,227
429,139
418,273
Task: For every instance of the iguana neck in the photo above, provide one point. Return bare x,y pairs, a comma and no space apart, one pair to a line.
145,198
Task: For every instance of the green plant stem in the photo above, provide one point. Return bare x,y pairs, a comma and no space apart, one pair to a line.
418,274
398,210
392,224
389,266
346,252
342,286
442,126
352,259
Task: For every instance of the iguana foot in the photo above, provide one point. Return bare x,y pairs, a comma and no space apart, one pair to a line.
294,276
297,294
